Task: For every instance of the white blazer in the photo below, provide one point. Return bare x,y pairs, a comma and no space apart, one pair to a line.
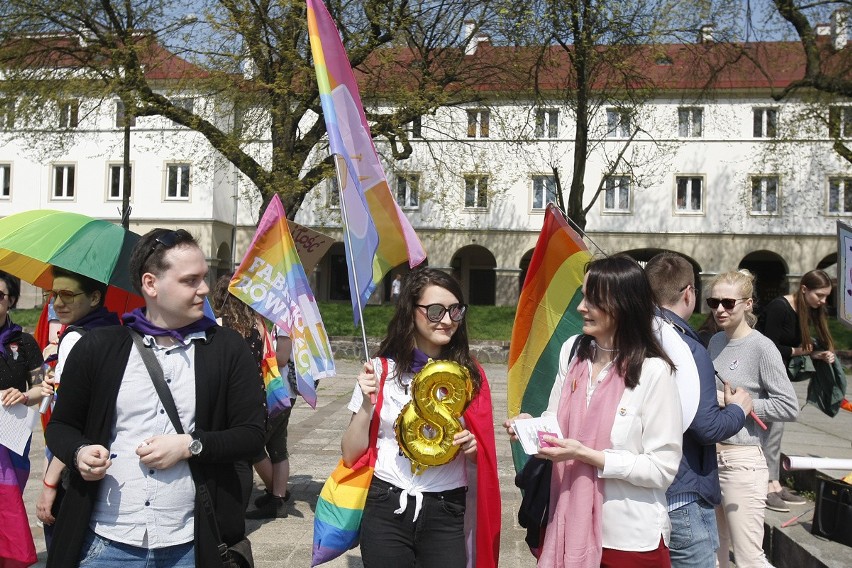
643,460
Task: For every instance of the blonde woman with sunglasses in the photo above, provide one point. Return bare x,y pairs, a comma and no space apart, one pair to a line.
744,358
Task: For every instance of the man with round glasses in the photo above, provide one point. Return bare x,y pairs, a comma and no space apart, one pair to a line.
153,418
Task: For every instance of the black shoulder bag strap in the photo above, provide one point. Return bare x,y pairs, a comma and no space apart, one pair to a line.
165,394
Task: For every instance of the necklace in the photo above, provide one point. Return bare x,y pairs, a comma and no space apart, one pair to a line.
595,343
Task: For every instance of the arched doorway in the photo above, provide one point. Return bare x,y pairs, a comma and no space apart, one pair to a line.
336,274
770,272
642,256
223,260
474,266
402,270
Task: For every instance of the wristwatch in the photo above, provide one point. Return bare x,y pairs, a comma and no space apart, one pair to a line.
195,446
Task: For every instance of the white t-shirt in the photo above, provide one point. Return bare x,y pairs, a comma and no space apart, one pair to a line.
390,465
69,340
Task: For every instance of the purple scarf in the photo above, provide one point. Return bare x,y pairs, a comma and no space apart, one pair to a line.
100,317
9,333
418,361
137,321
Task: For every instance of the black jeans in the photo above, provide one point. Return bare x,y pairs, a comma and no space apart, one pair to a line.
434,540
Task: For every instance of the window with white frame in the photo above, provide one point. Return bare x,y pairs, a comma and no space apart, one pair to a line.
476,192
415,127
544,191
407,186
546,123
120,113
69,113
840,121
840,195
7,113
116,182
617,194
478,123
765,122
617,123
63,181
332,193
5,181
177,182
764,195
689,194
690,122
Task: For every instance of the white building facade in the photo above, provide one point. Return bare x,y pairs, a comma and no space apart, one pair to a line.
728,177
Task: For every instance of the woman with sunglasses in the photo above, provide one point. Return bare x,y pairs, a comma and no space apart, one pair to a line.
419,518
745,358
20,364
79,304
787,321
618,407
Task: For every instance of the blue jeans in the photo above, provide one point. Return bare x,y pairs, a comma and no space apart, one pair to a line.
100,552
695,537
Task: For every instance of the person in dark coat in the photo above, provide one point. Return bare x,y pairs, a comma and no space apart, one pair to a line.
134,497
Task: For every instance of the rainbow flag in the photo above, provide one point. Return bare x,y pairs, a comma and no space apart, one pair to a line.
381,235
546,317
340,507
272,281
278,392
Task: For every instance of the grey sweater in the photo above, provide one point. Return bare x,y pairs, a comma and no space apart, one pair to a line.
754,363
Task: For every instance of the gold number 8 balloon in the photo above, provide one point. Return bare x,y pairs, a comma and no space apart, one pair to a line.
425,427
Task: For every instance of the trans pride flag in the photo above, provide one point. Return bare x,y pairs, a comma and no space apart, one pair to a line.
546,317
381,235
272,281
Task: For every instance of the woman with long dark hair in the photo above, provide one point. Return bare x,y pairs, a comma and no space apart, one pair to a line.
789,321
417,517
618,407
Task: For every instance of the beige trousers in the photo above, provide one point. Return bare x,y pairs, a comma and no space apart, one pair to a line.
743,476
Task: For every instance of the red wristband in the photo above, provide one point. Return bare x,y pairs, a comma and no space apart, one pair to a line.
46,484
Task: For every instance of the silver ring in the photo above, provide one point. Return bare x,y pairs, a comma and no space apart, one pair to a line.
90,469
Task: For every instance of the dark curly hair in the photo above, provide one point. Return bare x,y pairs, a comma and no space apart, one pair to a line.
234,313
13,287
399,342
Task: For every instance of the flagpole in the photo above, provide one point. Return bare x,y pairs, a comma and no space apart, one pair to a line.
351,262
583,233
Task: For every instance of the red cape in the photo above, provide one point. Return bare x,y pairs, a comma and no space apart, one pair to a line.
479,419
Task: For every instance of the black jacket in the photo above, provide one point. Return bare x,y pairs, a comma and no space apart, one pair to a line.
229,420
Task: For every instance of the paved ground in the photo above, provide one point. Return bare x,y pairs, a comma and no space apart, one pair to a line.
315,445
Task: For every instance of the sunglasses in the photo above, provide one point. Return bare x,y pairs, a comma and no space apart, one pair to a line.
168,240
3,296
727,303
435,312
67,296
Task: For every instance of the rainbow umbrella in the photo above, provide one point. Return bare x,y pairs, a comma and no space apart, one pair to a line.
32,242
